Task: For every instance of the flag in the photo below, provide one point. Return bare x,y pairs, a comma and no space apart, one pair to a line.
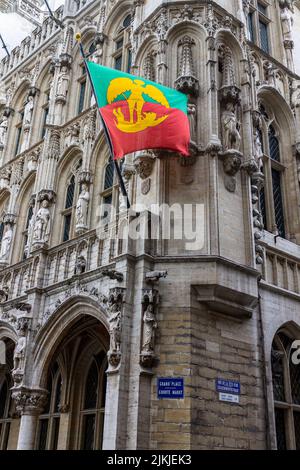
140,114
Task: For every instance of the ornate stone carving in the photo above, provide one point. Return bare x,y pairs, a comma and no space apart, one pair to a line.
62,84
230,128
155,276
41,227
186,81
149,305
31,401
228,92
143,163
149,66
115,307
146,186
257,181
6,244
28,111
80,265
113,274
82,206
287,20
3,131
54,145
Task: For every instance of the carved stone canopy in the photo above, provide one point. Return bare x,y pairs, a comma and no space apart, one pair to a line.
47,194
230,94
186,81
65,60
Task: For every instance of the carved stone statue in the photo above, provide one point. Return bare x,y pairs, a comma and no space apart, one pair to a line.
230,127
62,82
6,243
150,326
287,21
3,130
115,328
82,206
28,110
80,265
192,116
41,229
258,152
19,353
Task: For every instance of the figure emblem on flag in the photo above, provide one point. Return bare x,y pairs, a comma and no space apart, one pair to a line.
139,118
139,114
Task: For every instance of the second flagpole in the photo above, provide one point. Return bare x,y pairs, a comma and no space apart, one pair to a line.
120,178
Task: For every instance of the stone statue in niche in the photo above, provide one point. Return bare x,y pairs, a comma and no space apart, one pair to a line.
287,21
150,326
192,117
258,151
82,207
19,354
230,127
3,131
28,110
62,82
115,328
41,228
6,243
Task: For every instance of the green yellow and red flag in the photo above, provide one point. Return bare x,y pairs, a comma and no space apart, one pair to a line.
140,114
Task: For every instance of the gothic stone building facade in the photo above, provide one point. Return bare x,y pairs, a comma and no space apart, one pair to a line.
89,322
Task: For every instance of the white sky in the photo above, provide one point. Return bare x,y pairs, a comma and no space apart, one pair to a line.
14,27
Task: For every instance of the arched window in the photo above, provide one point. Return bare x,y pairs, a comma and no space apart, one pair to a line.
19,130
122,54
271,196
49,420
286,391
108,192
1,231
69,201
26,240
85,91
6,404
92,405
45,107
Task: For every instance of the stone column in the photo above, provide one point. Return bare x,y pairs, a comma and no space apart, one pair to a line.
30,403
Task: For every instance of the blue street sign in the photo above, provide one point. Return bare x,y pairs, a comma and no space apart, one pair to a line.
171,388
228,386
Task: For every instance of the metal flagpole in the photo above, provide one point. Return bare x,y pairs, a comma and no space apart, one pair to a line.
122,185
4,46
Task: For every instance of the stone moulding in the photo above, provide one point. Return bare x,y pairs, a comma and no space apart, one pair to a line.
227,301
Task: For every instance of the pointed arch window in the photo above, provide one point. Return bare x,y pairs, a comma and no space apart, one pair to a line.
93,404
286,392
85,91
49,420
109,194
45,114
6,403
67,213
122,57
26,232
19,131
271,196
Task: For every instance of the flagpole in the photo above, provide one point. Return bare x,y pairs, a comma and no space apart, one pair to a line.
106,133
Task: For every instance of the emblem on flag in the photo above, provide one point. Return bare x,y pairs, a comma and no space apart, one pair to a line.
140,114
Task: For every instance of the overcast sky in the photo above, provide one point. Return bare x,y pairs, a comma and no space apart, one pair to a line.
14,28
